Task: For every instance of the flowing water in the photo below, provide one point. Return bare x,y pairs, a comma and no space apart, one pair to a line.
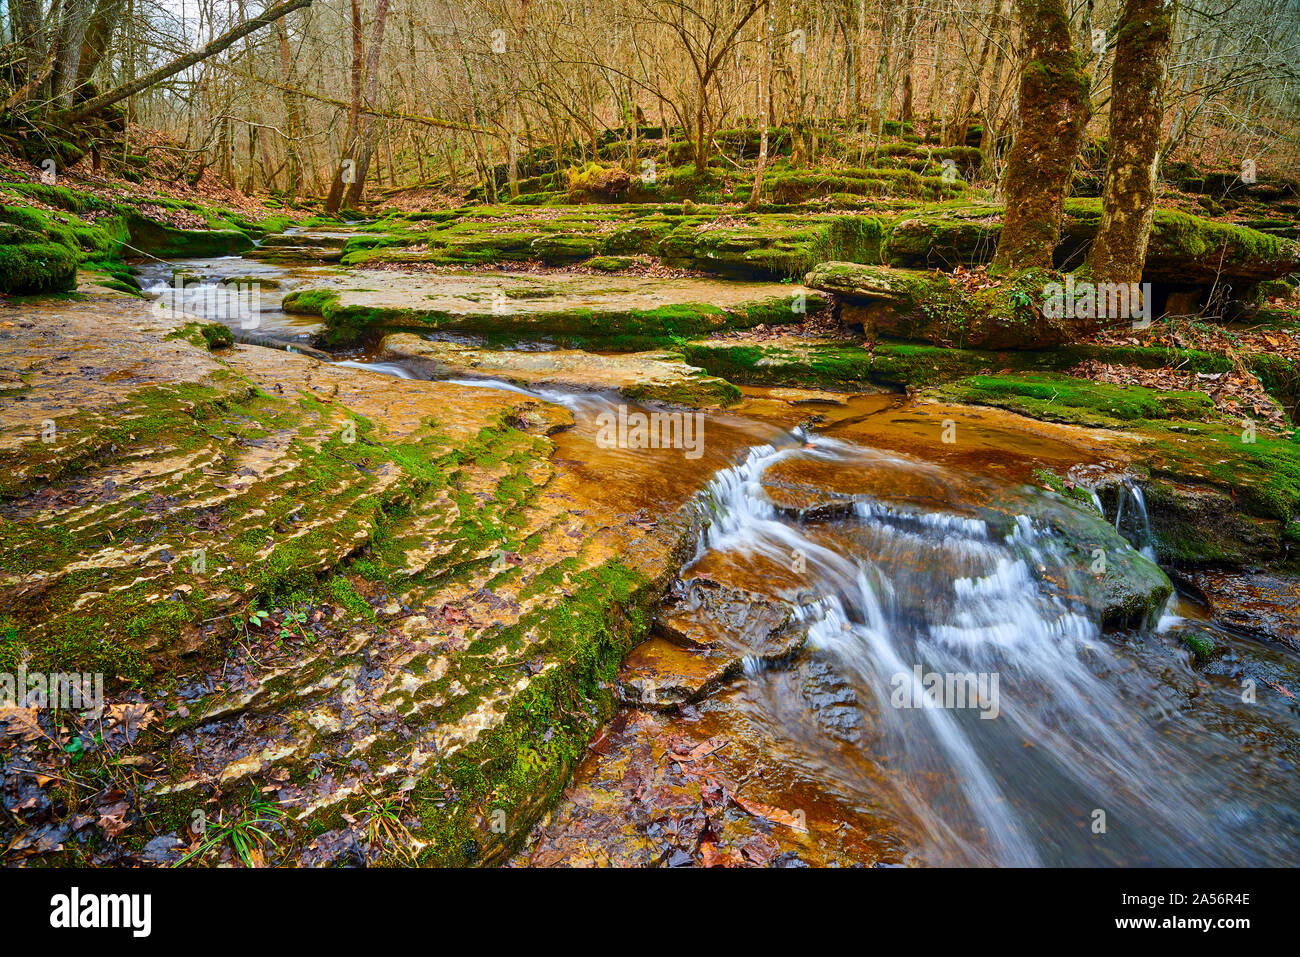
1076,724
1073,747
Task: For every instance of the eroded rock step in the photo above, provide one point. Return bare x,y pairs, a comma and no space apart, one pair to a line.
640,376
1264,605
707,634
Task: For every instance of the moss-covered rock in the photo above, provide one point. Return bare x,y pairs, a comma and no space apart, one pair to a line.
625,313
37,267
930,307
169,242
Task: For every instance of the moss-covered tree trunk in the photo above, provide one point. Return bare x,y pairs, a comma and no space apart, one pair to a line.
702,130
1053,111
1136,121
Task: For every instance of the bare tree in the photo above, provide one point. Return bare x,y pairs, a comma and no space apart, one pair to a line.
1137,114
1052,115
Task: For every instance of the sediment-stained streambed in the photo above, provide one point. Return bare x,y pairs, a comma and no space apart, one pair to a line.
883,642
1074,747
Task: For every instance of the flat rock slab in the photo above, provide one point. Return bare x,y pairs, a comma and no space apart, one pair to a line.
489,293
277,467
809,396
1261,604
653,376
554,303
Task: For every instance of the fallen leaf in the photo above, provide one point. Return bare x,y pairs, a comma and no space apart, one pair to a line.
774,814
112,818
22,723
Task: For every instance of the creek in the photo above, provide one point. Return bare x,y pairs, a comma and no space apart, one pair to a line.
898,559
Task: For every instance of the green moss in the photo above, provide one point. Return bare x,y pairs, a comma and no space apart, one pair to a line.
40,250
610,263
309,302
519,766
1058,398
205,335
63,197
37,267
798,185
1199,643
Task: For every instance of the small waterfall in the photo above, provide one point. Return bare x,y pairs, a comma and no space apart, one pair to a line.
937,593
1128,490
393,369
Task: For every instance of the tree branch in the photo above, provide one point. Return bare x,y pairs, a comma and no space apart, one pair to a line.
270,15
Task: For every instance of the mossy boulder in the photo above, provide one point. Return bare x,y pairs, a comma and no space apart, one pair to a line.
168,242
929,307
36,267
1129,589
594,182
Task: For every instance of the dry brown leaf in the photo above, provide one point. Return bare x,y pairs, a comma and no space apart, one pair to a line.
22,723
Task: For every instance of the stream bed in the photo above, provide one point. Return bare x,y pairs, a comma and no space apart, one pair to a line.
888,557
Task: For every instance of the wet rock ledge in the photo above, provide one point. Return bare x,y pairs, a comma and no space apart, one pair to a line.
350,598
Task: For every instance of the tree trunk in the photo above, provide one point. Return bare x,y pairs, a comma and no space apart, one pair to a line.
702,132
884,84
99,31
368,127
969,86
292,113
346,164
1142,52
765,97
29,30
910,15
1053,110
993,108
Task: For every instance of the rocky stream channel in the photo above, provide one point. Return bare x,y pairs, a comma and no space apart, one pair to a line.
521,643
